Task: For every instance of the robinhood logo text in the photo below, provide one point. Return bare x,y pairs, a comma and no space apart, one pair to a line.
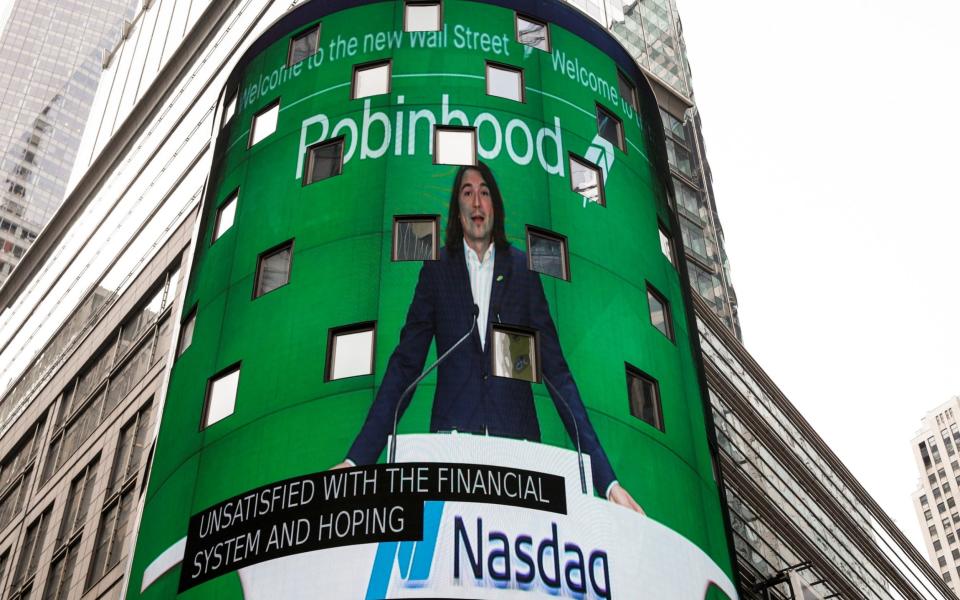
408,132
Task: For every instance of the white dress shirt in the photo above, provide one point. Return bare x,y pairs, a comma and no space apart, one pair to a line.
481,283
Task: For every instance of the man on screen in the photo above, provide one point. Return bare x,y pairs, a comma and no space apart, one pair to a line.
479,267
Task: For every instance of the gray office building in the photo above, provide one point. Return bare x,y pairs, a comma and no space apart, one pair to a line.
51,54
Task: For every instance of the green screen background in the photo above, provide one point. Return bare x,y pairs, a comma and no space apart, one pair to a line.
287,420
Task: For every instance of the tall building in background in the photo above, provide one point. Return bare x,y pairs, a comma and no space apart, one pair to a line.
51,54
95,317
936,449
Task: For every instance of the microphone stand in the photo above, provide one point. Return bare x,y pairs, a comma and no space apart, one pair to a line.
576,430
396,413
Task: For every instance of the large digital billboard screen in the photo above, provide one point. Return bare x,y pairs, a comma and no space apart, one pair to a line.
436,340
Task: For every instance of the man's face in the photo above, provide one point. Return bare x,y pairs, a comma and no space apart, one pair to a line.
476,209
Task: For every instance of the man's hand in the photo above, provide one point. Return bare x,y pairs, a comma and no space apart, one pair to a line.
347,465
620,496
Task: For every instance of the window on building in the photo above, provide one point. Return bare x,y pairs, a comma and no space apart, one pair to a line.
29,562
610,128
115,521
928,514
946,487
225,216
955,466
16,472
422,16
946,576
659,312
547,253
941,473
937,545
63,563
221,395
264,123
371,79
666,244
586,180
505,81
350,351
131,449
514,353
643,392
415,237
229,108
933,530
454,145
932,478
955,517
324,160
923,500
303,45
951,538
186,331
627,90
532,32
273,269
941,508
951,502
942,561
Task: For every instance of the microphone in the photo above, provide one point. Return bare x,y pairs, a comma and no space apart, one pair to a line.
576,430
396,413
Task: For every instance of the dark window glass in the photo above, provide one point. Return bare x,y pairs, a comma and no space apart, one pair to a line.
610,127
547,253
659,312
273,269
627,91
324,160
304,45
643,392
415,237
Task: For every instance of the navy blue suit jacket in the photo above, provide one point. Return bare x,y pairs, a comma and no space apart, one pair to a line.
468,398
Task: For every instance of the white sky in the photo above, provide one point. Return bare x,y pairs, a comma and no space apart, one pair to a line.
832,131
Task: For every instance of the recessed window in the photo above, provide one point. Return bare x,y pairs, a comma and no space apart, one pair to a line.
627,91
421,16
666,244
350,351
371,79
454,146
586,179
229,109
324,160
221,395
515,353
659,312
643,392
186,332
273,269
547,253
610,127
225,216
415,237
303,46
531,32
264,123
504,82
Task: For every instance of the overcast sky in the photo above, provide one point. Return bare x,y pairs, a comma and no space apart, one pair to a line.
832,132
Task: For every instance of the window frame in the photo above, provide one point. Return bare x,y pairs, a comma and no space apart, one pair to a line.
190,318
492,64
275,103
300,35
517,330
517,15
277,249
633,101
367,66
602,196
664,234
423,3
667,312
398,219
533,230
232,197
219,375
308,162
621,143
334,332
438,129
632,371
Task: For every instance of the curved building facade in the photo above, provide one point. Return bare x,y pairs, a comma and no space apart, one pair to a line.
331,267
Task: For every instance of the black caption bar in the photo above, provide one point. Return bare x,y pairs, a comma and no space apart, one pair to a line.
360,505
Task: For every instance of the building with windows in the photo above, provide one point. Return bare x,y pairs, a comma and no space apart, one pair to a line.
935,449
50,63
99,312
